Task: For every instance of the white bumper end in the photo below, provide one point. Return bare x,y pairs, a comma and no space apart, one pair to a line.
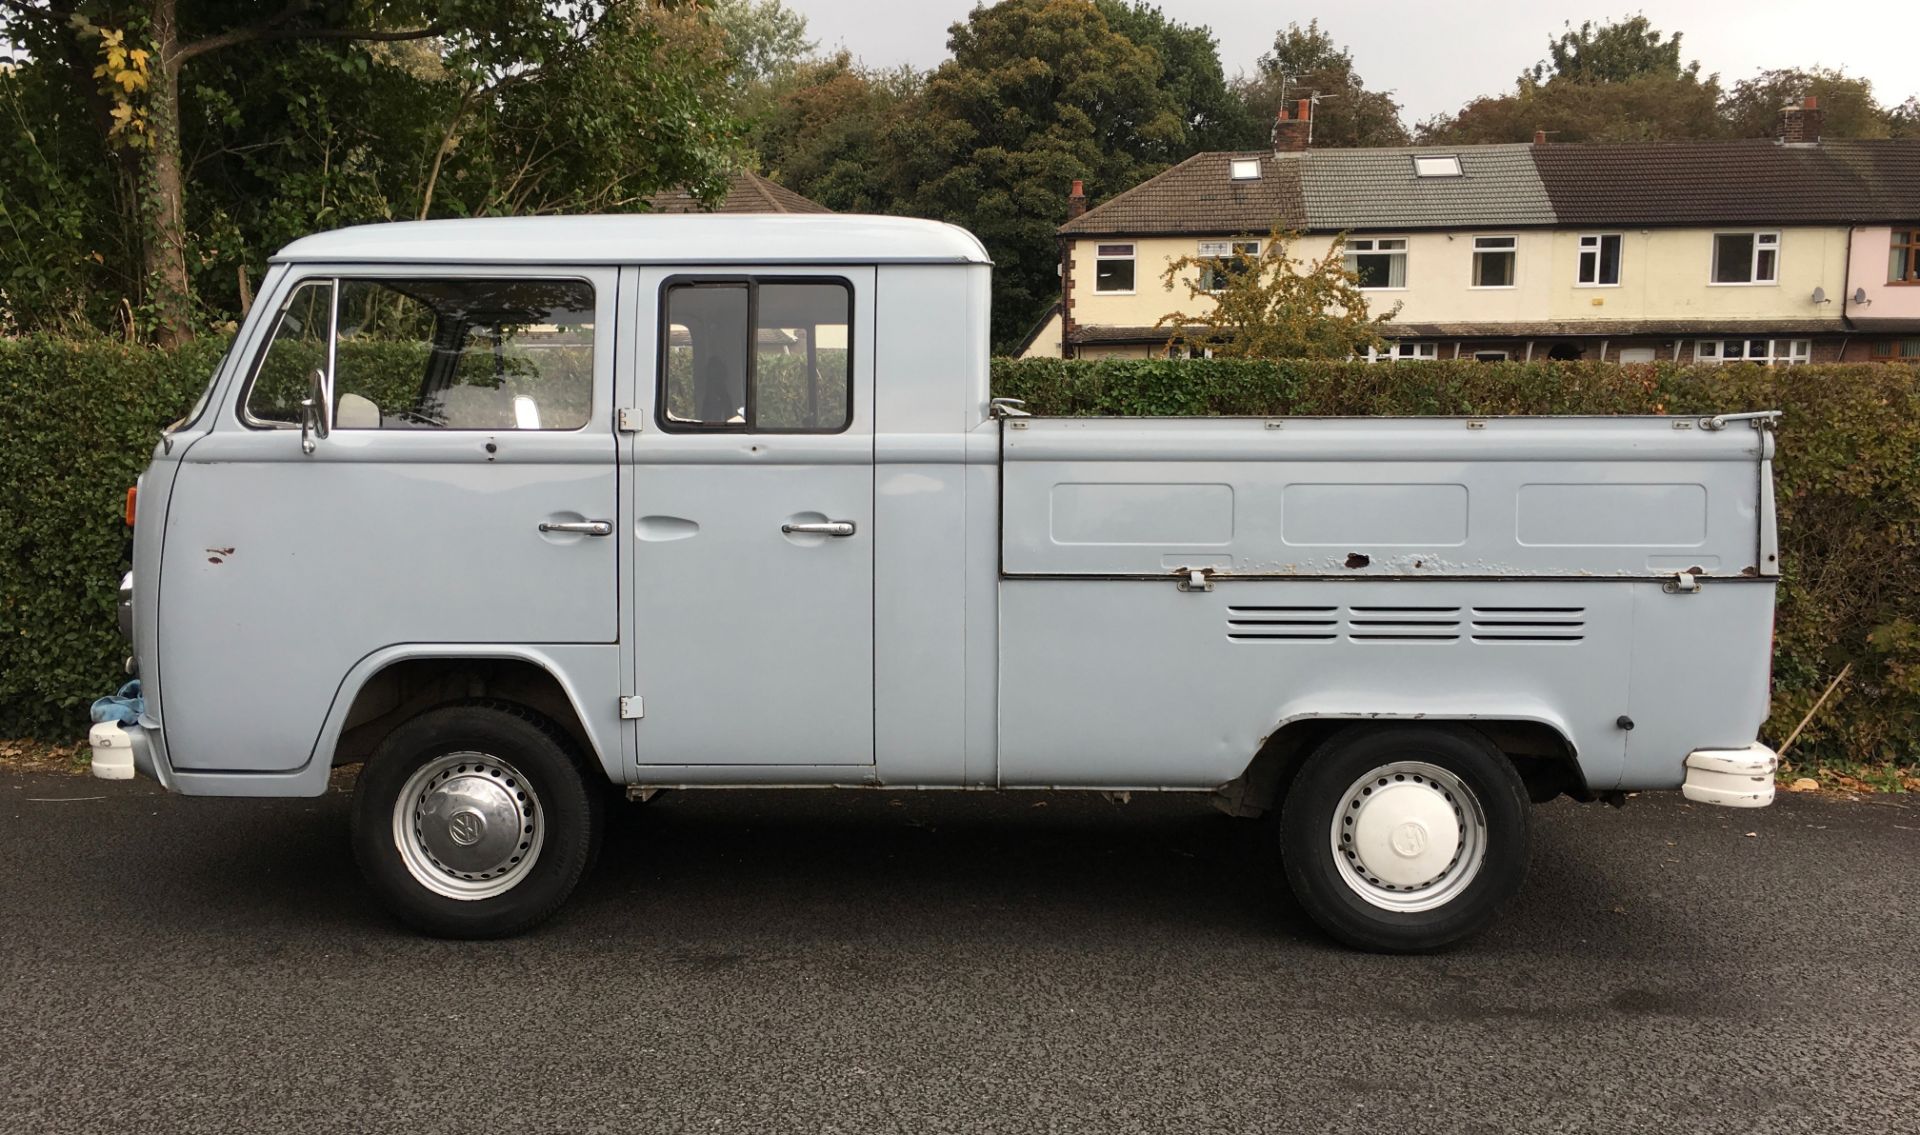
112,751
1732,778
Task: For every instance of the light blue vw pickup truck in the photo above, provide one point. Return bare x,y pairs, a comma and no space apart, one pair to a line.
509,510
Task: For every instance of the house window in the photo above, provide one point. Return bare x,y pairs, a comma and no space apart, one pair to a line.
1903,263
1493,261
1443,165
1746,258
1379,262
1599,260
1489,356
1404,352
1895,350
1234,257
1113,268
1246,169
1766,352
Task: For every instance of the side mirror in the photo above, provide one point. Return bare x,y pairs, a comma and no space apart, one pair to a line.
316,412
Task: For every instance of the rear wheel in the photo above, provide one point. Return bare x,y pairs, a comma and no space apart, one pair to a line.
1403,839
474,821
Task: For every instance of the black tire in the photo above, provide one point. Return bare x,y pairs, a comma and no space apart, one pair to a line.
569,812
1321,793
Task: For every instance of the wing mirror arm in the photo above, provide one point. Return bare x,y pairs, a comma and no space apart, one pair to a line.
316,412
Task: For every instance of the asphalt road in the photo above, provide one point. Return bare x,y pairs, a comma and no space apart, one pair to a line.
815,962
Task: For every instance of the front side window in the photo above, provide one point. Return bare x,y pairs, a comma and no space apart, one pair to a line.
1895,350
1746,258
1766,352
1493,261
1378,262
1903,261
1599,260
765,356
1113,267
433,354
1234,257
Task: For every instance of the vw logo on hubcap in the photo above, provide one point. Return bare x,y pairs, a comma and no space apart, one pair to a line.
466,828
1410,839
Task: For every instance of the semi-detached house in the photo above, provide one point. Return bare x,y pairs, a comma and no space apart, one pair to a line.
1784,250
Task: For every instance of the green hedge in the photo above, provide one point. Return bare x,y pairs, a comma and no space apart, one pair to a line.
1847,476
78,421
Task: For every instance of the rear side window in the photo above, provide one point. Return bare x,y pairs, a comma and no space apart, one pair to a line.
433,353
761,356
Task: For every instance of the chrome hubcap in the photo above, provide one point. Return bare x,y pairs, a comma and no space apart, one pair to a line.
468,826
1409,836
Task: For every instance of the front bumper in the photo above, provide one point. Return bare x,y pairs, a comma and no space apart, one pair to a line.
1731,778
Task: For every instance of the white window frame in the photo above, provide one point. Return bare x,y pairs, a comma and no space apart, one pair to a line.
1762,239
1243,169
1512,248
1369,245
1494,356
1132,256
1225,251
1409,351
1778,352
1594,250
1437,165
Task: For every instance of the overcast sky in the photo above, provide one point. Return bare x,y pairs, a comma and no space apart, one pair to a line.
1435,56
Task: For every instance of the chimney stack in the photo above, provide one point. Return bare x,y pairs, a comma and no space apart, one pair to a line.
1539,137
1800,125
1076,200
1291,135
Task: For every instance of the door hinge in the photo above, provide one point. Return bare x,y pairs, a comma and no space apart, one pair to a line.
630,419
1682,583
632,708
1195,579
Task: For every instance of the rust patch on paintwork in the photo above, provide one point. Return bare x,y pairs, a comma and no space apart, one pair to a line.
1749,570
1358,560
218,555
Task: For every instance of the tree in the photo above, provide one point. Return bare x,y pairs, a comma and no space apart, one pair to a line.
765,39
1612,53
1273,305
1903,121
1752,108
1037,93
824,133
313,114
1191,74
1622,82
1305,62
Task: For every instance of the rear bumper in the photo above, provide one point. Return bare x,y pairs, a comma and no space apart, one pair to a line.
1731,778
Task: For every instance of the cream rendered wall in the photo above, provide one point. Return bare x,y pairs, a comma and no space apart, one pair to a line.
1046,345
1871,245
1665,273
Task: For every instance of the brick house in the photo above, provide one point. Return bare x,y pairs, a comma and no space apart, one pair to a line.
1780,250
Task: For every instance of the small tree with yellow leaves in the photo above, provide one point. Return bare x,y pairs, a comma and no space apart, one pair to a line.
1268,304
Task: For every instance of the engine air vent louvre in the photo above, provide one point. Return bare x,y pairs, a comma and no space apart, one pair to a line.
1296,624
1403,624
1529,624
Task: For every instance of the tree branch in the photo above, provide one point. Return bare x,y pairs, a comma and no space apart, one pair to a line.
56,12
271,29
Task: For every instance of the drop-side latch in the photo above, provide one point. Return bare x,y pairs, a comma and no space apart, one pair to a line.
1195,579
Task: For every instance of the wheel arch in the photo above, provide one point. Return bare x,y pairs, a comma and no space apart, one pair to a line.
1540,745
398,682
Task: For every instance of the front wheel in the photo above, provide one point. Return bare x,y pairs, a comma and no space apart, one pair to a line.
474,821
1403,839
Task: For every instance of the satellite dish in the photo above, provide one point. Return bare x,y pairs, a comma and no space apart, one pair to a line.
1860,296
1820,295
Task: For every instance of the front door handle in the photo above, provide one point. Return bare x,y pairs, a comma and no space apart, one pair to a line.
583,527
826,528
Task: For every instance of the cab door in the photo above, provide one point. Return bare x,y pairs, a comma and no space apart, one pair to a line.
465,493
752,533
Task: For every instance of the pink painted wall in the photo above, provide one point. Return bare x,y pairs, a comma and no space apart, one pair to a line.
1868,269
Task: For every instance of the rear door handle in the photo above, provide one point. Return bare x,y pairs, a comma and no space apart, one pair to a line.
583,527
828,528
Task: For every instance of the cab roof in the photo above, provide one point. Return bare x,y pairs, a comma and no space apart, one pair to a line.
646,239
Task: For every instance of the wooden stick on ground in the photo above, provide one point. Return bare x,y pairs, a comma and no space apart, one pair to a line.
1831,686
